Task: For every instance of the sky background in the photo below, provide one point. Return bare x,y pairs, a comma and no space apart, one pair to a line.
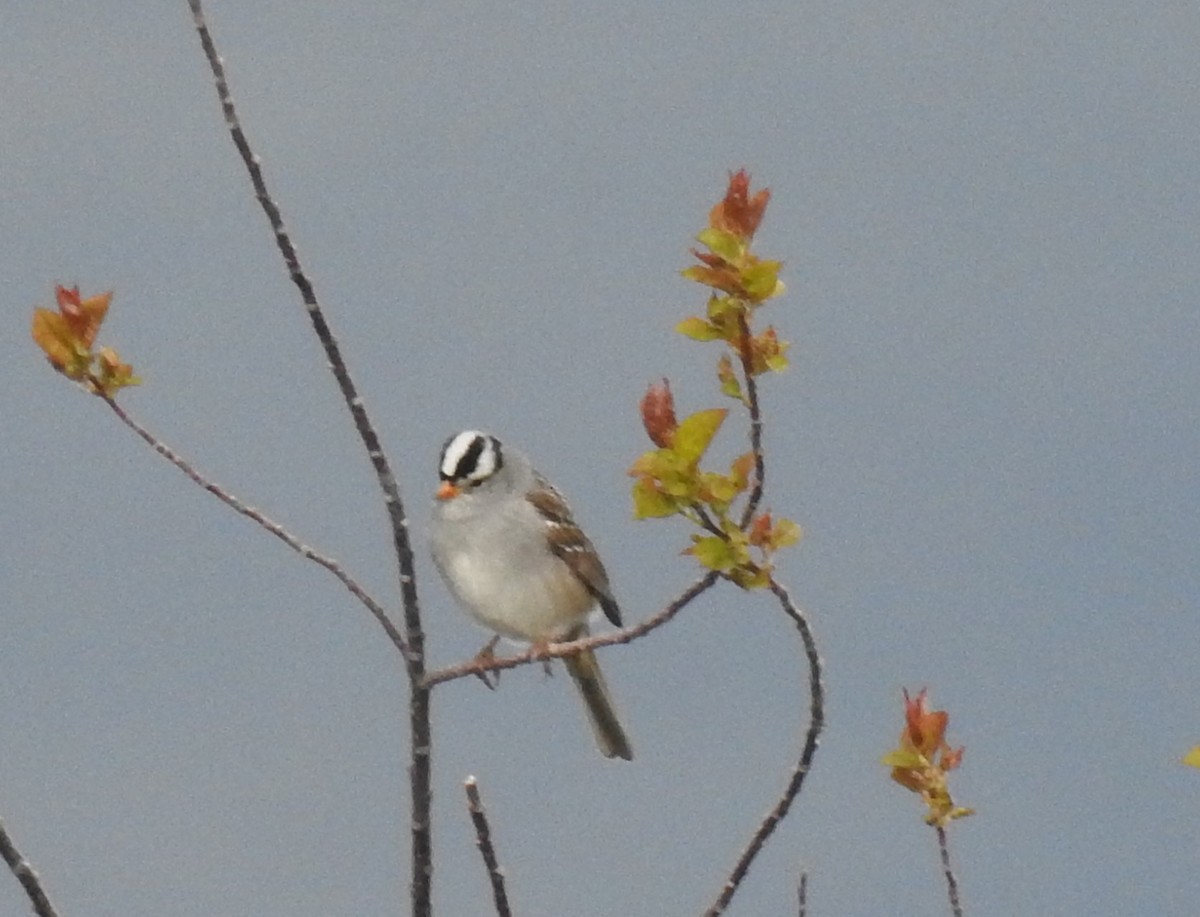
990,218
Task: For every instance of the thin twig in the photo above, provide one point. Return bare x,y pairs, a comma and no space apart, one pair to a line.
704,519
420,737
756,423
267,523
802,895
26,875
483,840
478,666
951,881
816,722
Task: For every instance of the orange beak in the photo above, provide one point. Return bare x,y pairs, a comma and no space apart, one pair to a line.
447,491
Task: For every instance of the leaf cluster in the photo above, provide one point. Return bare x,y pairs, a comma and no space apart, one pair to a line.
671,479
68,338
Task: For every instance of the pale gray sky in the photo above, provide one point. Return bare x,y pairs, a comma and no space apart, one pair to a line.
989,216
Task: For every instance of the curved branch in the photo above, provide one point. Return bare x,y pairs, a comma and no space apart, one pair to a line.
420,737
483,840
270,525
478,666
26,875
796,781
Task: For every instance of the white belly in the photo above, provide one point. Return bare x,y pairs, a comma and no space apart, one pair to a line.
543,602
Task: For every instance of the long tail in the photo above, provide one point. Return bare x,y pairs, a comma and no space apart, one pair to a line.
610,737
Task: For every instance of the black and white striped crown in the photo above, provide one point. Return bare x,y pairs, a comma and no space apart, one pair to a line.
471,457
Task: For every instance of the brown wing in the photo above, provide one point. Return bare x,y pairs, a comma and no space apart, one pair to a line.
570,545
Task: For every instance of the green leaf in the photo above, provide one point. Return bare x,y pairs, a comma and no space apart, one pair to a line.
694,434
721,307
730,384
761,279
651,503
698,329
785,533
722,243
712,552
904,758
719,488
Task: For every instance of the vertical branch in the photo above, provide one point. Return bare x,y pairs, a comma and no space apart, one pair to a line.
951,881
483,840
26,875
756,424
816,694
419,725
802,895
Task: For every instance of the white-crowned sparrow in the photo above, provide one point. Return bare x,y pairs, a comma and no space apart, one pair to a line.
509,550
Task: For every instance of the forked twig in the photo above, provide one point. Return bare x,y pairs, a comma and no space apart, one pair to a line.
267,523
483,840
816,721
951,881
420,738
26,875
478,666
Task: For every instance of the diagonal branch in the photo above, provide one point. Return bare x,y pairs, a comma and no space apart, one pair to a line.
770,822
26,875
478,666
270,525
420,737
483,840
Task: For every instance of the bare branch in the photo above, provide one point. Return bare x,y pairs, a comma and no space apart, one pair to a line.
477,666
802,895
796,781
483,840
270,525
26,875
951,881
420,737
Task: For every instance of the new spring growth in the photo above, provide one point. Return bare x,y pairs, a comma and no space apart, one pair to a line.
68,337
671,480
923,760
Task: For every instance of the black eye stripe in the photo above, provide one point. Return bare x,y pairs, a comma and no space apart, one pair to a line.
496,451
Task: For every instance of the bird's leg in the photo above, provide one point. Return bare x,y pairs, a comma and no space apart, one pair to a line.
485,656
538,650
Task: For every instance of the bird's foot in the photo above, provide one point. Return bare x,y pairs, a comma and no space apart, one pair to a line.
538,651
485,657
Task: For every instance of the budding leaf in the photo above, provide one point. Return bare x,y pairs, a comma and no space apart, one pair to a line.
785,533
651,503
712,552
722,243
731,385
760,280
698,329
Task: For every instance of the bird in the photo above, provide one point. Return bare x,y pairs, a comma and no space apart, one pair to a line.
507,546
